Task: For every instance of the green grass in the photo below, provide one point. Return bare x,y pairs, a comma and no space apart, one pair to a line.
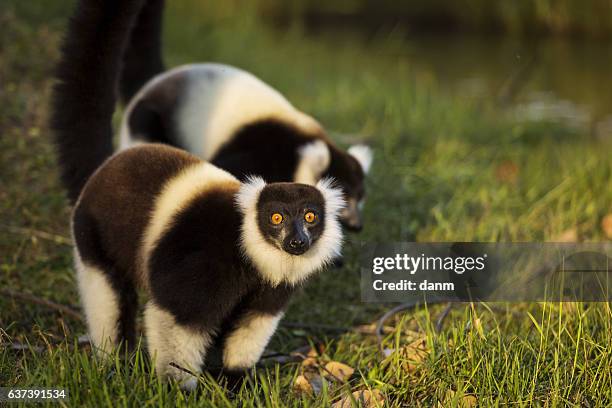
446,169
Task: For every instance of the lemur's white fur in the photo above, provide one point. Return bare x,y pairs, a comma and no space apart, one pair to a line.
219,100
177,193
274,264
100,304
169,342
314,160
363,155
245,345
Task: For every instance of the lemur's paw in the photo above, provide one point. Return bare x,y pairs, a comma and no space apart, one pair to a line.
189,384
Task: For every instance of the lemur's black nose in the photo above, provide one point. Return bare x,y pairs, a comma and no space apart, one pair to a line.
297,243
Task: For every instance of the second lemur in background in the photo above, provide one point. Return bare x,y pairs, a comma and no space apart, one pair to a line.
233,119
217,258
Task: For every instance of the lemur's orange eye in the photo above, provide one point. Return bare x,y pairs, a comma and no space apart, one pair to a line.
276,218
310,217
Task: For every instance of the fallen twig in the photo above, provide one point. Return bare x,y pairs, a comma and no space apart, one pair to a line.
316,326
283,358
49,236
21,347
67,310
360,329
443,315
81,342
183,369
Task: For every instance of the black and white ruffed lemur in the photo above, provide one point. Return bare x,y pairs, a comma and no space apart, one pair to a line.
232,119
218,258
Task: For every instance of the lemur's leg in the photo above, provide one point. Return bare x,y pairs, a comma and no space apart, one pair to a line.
110,305
170,342
143,55
245,343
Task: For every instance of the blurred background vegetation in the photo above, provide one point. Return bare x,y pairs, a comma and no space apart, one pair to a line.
522,17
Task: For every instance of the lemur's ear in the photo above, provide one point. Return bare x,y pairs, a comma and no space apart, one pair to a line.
333,195
247,196
314,161
364,156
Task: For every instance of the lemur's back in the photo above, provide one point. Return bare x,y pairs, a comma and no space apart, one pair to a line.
125,194
199,107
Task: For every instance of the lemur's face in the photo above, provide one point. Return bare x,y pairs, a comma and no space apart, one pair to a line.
290,230
291,216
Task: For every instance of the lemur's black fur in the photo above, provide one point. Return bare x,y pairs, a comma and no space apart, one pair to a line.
143,57
275,159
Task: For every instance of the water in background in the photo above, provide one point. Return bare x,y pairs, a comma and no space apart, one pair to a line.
554,79
551,79
545,60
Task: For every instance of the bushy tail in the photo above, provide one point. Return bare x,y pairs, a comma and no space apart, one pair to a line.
85,95
143,57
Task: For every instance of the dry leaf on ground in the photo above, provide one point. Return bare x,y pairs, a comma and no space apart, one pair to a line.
364,398
309,384
416,351
302,386
413,354
339,371
311,358
466,401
